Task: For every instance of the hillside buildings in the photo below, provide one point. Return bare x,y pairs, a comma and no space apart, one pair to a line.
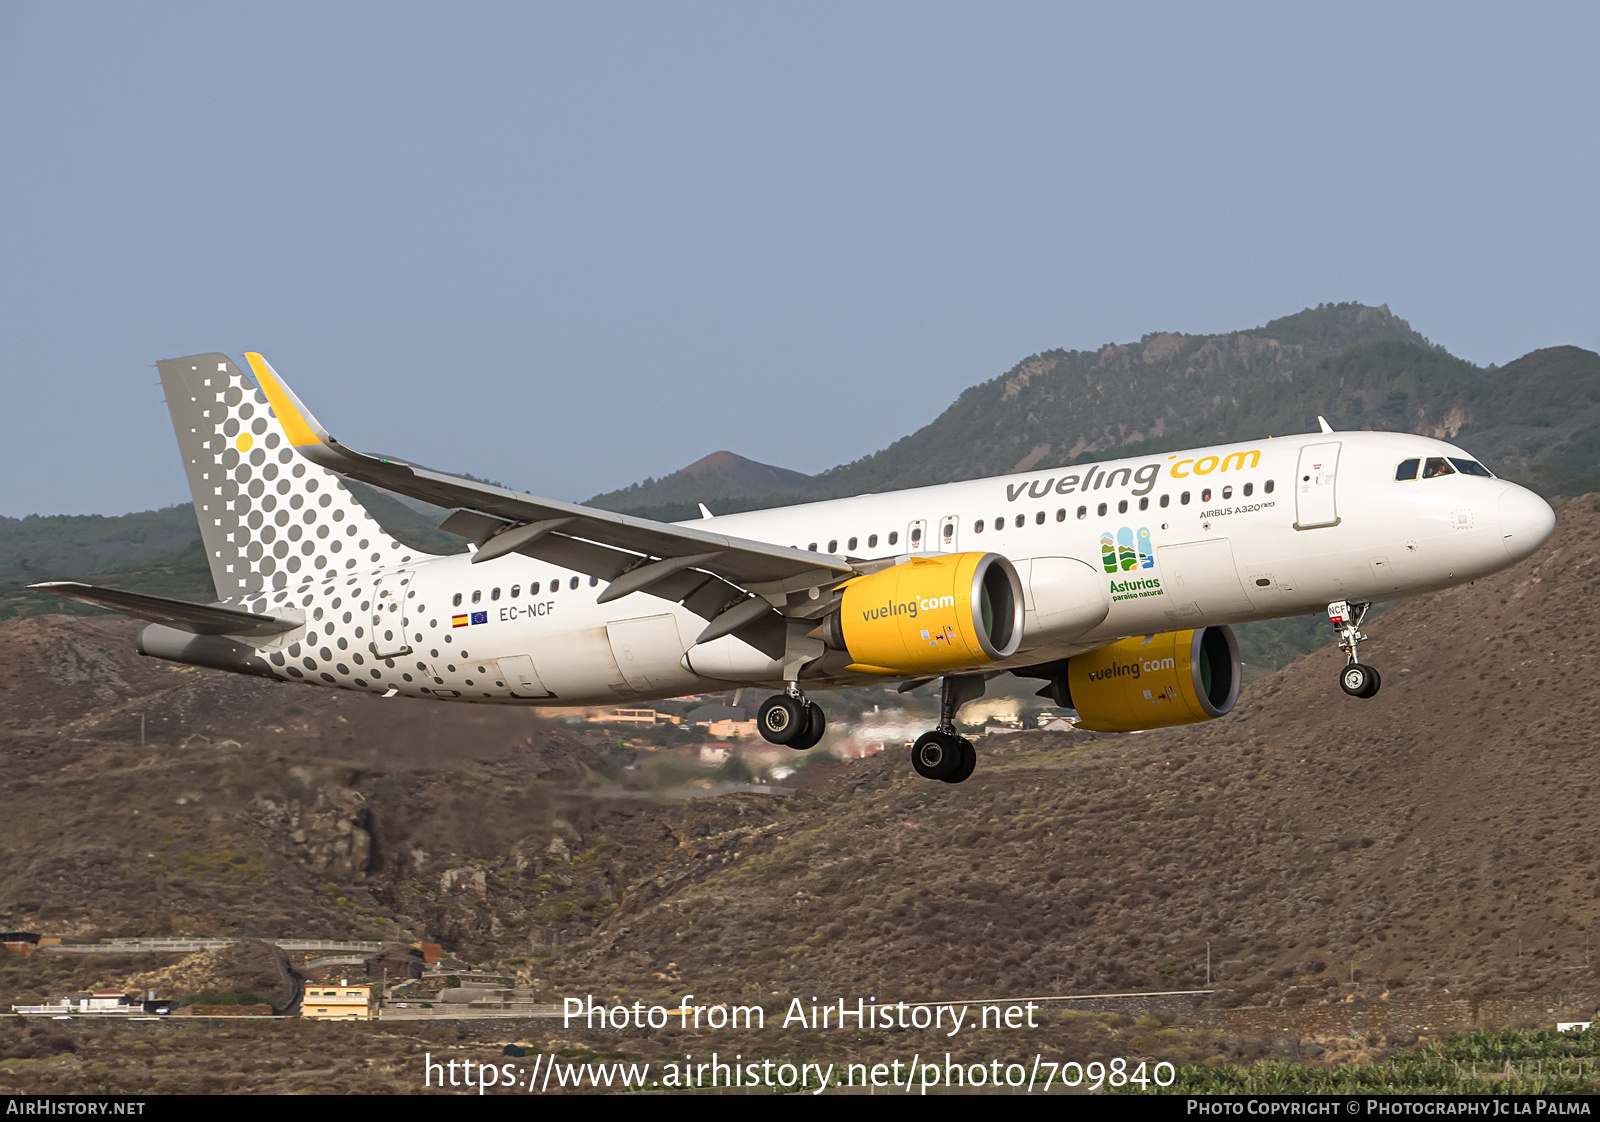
343,1002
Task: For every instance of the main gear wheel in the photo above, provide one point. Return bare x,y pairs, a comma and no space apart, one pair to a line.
937,755
782,719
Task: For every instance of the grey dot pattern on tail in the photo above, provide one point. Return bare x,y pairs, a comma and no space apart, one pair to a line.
290,534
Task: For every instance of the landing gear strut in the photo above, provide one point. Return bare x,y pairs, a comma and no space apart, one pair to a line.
791,718
1357,678
942,754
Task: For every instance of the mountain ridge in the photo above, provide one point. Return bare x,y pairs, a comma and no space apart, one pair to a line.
1535,420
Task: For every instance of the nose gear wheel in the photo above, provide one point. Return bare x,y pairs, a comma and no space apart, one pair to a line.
1357,678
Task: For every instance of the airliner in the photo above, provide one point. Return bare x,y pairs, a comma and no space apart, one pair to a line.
1112,583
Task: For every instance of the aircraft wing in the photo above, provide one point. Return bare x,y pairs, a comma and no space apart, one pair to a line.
734,583
201,619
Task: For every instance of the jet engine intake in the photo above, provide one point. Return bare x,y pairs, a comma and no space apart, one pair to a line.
929,615
1152,681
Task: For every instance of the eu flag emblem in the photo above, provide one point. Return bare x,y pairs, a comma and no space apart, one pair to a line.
480,617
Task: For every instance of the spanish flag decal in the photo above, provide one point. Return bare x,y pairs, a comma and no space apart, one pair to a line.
458,621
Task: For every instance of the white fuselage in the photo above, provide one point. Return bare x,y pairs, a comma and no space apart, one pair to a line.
1174,540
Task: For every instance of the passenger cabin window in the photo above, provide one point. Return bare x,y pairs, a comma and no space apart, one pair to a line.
594,582
1471,467
1039,518
1101,511
916,535
894,536
533,589
1122,506
850,545
1437,466
1407,469
833,546
1268,486
516,590
1000,523
495,595
1022,520
455,600
872,541
1165,500
1227,492
477,595
1205,495
1061,515
1183,499
573,583
1248,487
977,527
812,547
1083,512
555,585
1144,504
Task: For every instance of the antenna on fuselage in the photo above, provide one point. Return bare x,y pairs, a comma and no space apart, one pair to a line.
1323,421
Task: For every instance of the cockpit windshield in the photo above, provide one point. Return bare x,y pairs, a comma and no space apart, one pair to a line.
1435,466
1471,467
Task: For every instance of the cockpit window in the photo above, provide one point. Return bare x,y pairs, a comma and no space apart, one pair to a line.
1407,469
1471,467
1437,466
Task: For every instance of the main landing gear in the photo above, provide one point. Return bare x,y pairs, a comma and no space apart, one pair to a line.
941,754
791,718
1357,678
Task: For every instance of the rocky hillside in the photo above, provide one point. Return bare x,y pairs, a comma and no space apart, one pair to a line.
1433,841
1436,839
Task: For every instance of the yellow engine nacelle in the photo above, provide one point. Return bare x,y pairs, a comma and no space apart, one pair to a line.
929,615
1152,681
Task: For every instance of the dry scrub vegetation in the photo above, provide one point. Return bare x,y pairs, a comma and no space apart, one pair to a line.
1429,847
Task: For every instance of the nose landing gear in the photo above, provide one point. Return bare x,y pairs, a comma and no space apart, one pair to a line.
941,754
1357,678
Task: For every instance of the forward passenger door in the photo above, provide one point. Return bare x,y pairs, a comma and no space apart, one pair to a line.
1315,503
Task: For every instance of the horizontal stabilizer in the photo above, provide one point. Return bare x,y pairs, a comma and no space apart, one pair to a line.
201,619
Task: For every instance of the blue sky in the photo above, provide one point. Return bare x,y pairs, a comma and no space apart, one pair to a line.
568,246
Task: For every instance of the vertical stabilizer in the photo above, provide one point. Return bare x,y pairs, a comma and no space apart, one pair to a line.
269,517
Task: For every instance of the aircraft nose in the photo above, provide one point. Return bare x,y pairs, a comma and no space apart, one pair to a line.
1526,521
